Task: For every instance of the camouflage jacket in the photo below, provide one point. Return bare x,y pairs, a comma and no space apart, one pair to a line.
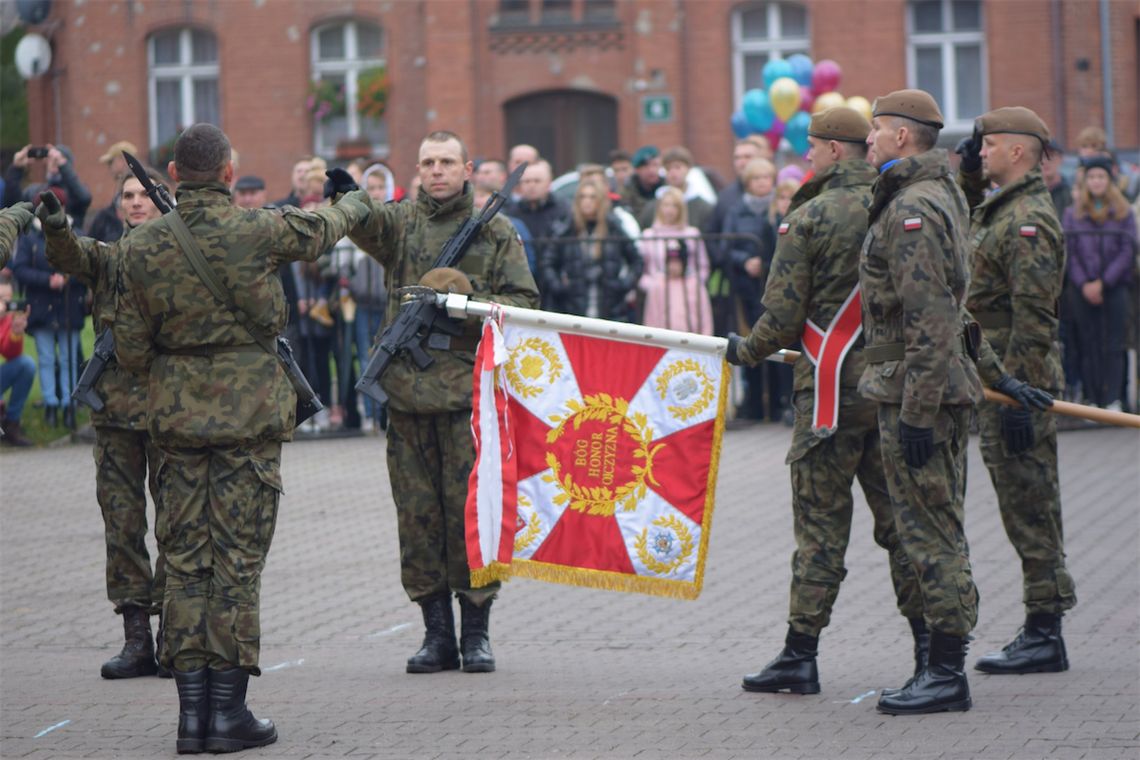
209,383
407,239
96,265
914,275
9,231
1017,272
815,267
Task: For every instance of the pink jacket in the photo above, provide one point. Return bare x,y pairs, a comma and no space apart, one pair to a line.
680,303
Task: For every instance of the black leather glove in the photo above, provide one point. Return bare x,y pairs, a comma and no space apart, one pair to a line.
1017,429
50,211
1023,393
21,214
917,444
732,354
339,182
970,149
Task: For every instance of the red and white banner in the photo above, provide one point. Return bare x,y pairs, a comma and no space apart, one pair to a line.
596,461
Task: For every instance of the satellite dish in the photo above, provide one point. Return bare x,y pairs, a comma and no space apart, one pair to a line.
33,11
33,56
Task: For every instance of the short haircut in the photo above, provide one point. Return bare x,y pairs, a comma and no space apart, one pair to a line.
678,154
442,136
495,162
756,141
201,153
925,135
619,155
852,149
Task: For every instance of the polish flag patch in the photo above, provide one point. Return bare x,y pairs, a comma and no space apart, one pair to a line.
912,223
783,228
1028,230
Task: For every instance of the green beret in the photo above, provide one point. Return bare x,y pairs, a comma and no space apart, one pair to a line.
916,105
840,123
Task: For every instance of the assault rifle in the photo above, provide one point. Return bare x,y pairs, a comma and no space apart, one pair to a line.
420,321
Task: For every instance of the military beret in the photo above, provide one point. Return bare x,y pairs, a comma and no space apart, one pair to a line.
644,155
250,182
447,280
916,105
1014,120
840,123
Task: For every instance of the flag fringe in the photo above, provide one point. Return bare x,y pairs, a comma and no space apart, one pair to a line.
496,571
604,579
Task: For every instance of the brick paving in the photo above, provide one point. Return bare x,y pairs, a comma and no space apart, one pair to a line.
582,673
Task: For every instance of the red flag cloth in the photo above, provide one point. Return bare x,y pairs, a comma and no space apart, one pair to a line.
596,461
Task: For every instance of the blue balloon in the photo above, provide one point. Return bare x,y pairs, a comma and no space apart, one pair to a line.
740,126
796,132
758,110
775,69
801,69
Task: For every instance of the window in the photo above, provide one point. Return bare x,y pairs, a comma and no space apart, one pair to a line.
182,81
341,52
599,10
514,12
763,32
946,56
557,11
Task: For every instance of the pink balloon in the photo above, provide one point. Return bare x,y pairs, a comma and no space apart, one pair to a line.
775,133
807,97
825,77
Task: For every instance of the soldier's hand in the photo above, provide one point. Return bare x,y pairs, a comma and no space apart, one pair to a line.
732,353
1023,393
1017,429
21,214
917,444
970,149
339,182
447,280
50,211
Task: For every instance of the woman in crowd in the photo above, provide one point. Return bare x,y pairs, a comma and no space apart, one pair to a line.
676,269
593,267
1100,232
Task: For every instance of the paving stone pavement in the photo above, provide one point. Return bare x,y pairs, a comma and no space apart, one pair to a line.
582,673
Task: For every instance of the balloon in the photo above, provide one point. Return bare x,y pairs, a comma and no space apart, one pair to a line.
774,134
784,94
775,69
860,104
827,100
825,78
802,68
807,98
796,132
758,110
740,125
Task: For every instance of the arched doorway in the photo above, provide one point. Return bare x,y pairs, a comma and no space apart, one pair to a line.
568,127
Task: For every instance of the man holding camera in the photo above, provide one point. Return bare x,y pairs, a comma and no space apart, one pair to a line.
58,172
18,371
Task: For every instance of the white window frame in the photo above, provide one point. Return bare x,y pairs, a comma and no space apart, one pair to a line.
946,41
350,66
185,72
776,45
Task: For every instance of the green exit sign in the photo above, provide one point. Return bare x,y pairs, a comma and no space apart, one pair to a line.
657,109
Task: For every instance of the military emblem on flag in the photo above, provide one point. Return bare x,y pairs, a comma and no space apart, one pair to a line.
596,460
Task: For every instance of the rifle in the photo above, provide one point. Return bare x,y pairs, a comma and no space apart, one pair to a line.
420,318
84,392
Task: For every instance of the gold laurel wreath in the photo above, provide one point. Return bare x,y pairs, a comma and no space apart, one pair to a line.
703,401
533,526
653,564
516,380
600,500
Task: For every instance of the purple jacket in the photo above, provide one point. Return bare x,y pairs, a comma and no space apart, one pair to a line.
1100,251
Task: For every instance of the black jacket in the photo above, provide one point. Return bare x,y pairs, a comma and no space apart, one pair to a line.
540,218
57,309
563,270
741,219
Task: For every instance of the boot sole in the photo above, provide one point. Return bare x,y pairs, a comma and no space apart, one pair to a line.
1051,667
220,746
432,668
481,667
791,688
191,746
960,706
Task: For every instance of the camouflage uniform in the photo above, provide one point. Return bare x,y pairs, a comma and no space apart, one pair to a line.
12,221
1016,282
218,405
913,274
813,272
430,449
124,453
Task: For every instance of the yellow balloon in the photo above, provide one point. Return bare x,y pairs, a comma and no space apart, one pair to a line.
784,95
860,104
828,100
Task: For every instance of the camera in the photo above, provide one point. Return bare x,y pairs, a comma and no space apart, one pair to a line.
37,152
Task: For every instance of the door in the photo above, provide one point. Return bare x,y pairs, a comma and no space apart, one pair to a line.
568,127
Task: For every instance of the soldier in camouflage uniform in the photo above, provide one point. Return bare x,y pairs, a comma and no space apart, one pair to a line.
813,276
1017,276
124,452
13,220
430,448
218,408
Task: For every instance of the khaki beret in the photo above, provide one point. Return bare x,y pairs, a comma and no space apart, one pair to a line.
916,105
447,280
840,123
1015,120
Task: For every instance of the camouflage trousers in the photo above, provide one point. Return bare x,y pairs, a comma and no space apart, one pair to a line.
929,509
126,462
219,512
823,473
1029,499
430,457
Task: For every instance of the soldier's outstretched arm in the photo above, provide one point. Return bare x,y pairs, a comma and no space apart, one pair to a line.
13,220
306,235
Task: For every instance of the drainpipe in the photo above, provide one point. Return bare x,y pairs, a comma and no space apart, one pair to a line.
1059,120
1106,73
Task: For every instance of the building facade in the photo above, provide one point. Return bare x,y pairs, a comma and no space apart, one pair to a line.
576,78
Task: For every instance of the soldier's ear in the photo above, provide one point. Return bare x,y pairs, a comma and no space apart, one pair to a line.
172,171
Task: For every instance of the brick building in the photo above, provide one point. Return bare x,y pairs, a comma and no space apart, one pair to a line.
574,77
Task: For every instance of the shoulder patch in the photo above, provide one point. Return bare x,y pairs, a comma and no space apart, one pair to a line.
783,228
1028,230
912,223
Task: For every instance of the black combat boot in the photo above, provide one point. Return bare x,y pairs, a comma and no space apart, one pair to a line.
921,651
474,638
794,669
439,650
137,657
193,710
940,687
231,726
1038,648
